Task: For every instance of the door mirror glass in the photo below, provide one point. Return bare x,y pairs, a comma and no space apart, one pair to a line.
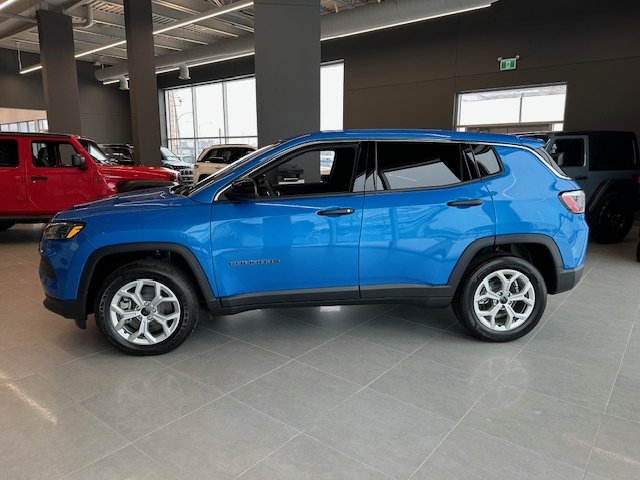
242,189
78,161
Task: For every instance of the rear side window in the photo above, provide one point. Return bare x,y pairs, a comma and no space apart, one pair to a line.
568,152
486,159
613,150
406,165
8,153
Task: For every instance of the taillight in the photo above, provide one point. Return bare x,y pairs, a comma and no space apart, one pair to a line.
575,201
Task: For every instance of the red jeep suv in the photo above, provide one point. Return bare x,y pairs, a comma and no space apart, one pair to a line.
42,174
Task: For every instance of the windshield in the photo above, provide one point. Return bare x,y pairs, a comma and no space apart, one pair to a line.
94,150
226,170
169,155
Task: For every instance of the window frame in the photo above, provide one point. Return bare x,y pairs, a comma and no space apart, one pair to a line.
362,154
57,142
585,149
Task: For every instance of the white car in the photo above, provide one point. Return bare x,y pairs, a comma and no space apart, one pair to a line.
216,157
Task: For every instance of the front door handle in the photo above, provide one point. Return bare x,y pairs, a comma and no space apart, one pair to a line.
335,212
581,177
36,178
466,203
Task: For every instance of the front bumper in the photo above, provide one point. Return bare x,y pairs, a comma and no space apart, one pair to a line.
567,279
68,309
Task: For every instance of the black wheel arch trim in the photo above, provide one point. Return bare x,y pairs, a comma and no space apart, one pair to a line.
628,185
533,238
97,255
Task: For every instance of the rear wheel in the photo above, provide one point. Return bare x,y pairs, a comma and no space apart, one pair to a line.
502,299
6,225
612,218
147,308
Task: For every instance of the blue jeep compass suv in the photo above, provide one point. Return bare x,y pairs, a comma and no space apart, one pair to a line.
486,222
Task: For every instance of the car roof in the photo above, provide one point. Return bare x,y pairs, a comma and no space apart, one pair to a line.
414,134
39,134
231,145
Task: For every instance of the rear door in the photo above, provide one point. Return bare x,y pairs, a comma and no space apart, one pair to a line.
13,198
53,183
424,205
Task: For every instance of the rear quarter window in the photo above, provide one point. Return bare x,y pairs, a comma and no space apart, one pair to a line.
613,151
550,162
8,153
486,159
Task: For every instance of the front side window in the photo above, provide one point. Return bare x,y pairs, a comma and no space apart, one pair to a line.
568,152
8,153
317,170
48,154
408,165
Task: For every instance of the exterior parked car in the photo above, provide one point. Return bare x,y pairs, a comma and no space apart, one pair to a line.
171,160
216,157
607,168
486,222
42,174
122,154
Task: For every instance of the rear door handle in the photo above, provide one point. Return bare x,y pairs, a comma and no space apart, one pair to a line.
466,203
35,179
335,212
581,177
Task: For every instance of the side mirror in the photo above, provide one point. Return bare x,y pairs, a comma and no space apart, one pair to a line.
78,161
242,189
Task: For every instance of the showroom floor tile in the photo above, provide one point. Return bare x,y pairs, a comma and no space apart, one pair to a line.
358,392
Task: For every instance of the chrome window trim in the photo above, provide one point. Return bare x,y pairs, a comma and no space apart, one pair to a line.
413,140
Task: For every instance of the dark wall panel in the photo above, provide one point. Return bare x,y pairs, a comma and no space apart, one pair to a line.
104,110
409,76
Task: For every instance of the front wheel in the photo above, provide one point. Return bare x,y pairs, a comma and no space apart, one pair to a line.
503,299
147,308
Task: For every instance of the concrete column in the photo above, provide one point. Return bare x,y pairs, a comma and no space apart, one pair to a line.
143,87
59,75
287,37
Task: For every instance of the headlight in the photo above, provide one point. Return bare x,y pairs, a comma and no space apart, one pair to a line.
62,230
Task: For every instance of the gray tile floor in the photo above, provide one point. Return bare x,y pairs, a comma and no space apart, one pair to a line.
371,392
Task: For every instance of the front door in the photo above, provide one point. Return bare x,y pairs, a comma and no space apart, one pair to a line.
53,183
426,206
298,240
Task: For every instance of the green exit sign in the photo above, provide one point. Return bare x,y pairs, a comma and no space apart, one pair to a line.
508,63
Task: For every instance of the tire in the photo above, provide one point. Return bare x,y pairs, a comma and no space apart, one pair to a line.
523,280
6,225
612,218
141,281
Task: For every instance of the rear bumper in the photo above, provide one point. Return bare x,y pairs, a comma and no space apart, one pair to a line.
67,308
567,279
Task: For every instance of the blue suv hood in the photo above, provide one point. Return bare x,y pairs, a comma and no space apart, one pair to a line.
160,198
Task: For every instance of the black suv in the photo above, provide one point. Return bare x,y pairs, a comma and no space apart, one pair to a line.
607,168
